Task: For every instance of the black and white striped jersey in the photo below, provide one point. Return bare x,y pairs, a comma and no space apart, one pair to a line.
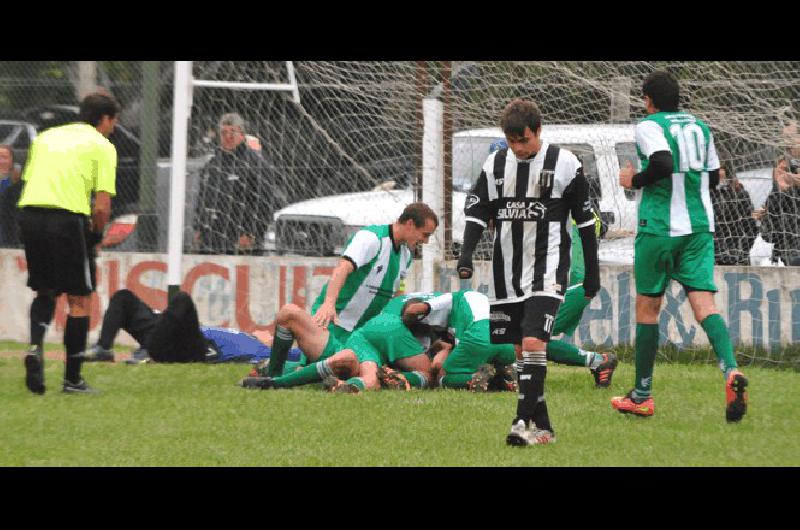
530,202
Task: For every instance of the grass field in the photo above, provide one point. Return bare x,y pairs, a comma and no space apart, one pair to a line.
195,415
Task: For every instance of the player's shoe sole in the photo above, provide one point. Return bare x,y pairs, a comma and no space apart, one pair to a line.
34,373
605,371
481,379
735,397
336,385
392,379
78,388
626,405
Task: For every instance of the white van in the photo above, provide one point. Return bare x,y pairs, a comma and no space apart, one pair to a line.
320,227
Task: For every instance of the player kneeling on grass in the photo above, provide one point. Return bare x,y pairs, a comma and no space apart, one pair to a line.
472,362
367,361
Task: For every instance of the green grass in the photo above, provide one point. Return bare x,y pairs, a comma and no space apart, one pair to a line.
194,415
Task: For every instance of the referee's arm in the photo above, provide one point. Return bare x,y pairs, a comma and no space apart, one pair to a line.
101,212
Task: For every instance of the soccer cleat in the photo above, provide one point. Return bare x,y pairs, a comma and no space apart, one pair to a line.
505,380
541,436
261,383
78,388
605,370
334,384
34,370
139,356
97,354
392,379
480,379
626,405
519,435
735,396
260,369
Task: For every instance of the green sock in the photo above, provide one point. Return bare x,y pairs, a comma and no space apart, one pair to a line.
313,373
291,366
646,347
456,380
358,382
280,350
720,340
562,352
416,379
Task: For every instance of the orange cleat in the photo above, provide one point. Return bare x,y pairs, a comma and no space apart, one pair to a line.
627,405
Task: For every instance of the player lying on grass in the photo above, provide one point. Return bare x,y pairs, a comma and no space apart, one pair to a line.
174,335
365,362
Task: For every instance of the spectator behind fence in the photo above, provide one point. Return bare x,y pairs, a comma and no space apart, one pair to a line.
10,187
236,196
780,217
735,228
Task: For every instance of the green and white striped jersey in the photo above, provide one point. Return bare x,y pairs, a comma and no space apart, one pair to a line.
679,205
457,311
379,270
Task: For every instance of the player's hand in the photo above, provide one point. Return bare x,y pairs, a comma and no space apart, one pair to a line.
464,267
758,213
626,175
326,313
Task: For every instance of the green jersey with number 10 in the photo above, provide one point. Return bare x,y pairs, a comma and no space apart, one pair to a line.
679,205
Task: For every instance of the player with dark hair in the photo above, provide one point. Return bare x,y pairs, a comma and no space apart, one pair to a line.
675,237
369,274
60,227
529,190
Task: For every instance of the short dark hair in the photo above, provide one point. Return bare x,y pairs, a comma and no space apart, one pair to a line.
663,89
95,106
418,212
518,114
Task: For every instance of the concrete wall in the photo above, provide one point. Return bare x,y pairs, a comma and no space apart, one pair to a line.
760,304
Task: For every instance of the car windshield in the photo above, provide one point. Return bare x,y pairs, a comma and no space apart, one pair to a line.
626,152
469,154
7,130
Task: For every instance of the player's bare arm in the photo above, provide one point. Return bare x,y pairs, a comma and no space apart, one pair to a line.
327,311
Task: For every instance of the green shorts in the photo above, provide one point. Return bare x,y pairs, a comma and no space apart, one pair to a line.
336,340
383,340
474,349
687,259
571,310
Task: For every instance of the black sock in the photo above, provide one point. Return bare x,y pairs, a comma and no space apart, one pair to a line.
531,384
43,308
75,334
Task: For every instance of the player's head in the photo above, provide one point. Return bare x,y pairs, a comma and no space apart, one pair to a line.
663,90
6,159
521,122
231,131
100,110
413,311
416,224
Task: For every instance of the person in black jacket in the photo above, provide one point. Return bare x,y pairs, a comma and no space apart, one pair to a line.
235,198
735,229
780,217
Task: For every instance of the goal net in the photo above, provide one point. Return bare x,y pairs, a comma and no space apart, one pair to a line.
353,142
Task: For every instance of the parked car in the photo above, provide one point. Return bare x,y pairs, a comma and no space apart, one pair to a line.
18,135
320,227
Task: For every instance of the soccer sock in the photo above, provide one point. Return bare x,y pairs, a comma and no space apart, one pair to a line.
541,418
280,350
358,382
531,384
416,379
455,380
646,346
75,333
720,340
42,309
313,373
562,352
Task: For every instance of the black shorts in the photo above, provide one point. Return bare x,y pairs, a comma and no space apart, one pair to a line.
57,251
534,317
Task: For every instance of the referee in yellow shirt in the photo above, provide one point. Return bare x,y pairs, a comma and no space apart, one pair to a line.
60,227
